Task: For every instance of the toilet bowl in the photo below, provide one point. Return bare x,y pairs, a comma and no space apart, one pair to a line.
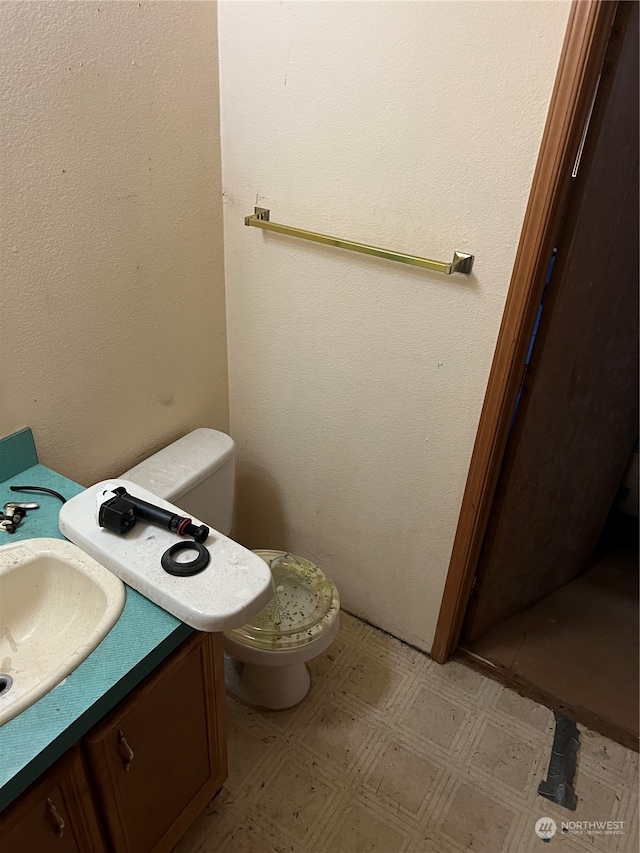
265,659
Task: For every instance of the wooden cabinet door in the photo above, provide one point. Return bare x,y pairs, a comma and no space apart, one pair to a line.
55,814
160,756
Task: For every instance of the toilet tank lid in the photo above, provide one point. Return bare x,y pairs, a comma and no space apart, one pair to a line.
184,464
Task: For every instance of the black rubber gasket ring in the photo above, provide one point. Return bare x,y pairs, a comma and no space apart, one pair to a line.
185,569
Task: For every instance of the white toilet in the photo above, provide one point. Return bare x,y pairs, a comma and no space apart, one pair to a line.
265,660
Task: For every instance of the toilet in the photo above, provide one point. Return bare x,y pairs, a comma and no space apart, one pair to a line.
265,659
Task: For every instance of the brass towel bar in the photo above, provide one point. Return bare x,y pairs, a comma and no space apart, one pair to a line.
461,262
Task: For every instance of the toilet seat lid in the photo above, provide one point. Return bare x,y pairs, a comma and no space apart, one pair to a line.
304,604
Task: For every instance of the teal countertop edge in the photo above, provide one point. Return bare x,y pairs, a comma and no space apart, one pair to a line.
143,636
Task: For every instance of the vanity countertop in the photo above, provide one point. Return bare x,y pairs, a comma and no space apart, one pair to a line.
143,636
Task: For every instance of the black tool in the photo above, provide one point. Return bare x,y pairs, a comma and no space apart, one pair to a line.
120,513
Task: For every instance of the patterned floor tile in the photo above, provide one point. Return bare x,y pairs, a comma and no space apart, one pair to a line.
338,738
610,758
475,822
505,756
360,830
372,679
402,777
519,710
457,679
391,753
436,719
292,795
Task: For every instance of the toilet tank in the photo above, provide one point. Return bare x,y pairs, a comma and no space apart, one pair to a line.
196,473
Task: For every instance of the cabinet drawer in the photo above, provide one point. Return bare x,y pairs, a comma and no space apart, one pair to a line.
160,756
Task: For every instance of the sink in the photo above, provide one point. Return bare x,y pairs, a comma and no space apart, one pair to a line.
56,605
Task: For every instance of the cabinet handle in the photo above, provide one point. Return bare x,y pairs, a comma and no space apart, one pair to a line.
55,814
126,749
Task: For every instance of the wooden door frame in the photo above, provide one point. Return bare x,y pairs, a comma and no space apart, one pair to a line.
585,43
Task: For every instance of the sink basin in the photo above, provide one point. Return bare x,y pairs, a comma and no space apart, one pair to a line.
56,605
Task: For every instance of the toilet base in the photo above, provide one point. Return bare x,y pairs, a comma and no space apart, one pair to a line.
272,687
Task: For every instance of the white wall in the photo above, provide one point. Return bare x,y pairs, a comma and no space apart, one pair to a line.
112,316
356,384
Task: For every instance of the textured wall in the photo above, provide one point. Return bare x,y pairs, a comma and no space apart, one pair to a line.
112,316
356,384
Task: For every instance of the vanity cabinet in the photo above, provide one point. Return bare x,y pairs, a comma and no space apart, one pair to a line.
160,756
56,815
137,781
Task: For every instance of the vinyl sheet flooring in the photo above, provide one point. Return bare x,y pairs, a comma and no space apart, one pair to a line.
392,753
